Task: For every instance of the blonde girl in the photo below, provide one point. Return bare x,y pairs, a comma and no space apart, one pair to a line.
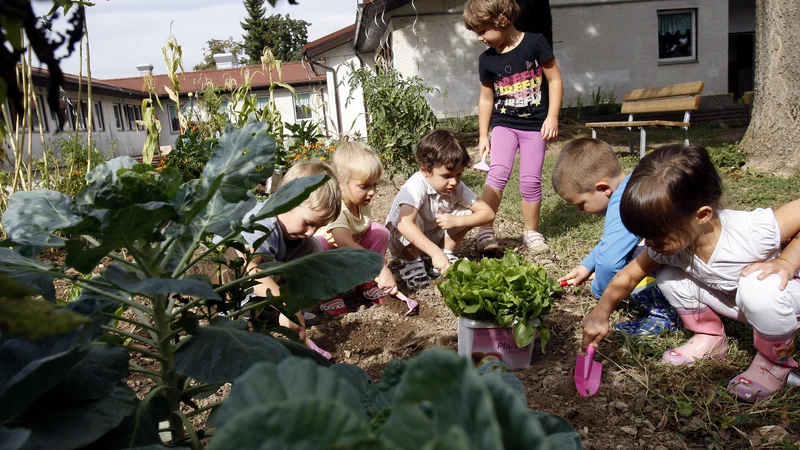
358,171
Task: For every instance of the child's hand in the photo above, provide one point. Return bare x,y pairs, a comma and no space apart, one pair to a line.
441,262
484,147
550,128
777,266
447,221
386,281
595,327
576,276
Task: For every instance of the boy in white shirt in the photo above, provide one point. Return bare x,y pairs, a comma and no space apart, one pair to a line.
434,210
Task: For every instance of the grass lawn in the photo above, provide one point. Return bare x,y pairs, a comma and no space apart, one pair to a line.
693,402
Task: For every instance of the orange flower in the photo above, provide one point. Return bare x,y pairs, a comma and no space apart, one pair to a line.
305,151
306,158
296,157
322,158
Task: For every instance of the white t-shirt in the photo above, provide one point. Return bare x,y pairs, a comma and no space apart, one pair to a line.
418,193
747,237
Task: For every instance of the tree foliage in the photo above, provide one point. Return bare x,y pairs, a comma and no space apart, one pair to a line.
283,35
215,46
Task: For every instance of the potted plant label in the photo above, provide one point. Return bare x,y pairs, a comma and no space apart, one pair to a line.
499,304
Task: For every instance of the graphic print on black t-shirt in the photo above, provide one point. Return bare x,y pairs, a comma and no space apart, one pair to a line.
520,88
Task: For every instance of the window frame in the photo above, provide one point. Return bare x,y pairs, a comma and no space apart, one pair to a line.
295,99
693,57
98,118
119,120
174,122
40,113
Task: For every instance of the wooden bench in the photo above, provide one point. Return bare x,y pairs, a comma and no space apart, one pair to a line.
675,97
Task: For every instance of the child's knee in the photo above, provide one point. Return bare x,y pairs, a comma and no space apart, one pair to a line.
379,231
498,177
756,297
531,190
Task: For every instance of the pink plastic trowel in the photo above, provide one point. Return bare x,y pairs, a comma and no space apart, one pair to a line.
482,165
587,373
413,305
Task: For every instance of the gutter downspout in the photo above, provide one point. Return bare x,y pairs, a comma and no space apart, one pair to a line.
334,91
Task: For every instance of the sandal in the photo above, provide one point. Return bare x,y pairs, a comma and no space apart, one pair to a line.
413,273
485,241
372,292
334,307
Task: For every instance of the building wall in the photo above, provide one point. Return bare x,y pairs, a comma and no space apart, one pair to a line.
351,103
123,142
611,46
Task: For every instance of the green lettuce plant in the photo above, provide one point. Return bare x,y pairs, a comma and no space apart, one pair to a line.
510,292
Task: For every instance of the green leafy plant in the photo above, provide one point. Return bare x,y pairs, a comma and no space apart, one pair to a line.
150,231
510,292
192,151
435,400
399,115
729,157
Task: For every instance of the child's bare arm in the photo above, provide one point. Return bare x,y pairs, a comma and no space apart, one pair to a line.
485,103
344,239
481,215
264,284
787,263
553,76
415,236
595,325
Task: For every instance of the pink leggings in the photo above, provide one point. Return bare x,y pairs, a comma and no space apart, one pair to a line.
505,142
376,238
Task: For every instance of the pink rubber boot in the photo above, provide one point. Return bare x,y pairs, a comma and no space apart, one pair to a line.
768,371
708,340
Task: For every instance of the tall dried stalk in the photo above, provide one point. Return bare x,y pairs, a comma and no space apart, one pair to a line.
89,102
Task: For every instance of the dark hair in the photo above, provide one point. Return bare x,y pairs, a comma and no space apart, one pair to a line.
667,188
442,148
483,13
581,164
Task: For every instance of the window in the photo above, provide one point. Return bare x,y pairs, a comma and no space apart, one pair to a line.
118,120
98,121
72,113
132,114
40,112
677,35
302,106
262,102
174,123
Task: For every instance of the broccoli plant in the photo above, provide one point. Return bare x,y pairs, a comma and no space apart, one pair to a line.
62,369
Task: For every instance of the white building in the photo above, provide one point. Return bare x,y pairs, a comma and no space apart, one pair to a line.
615,45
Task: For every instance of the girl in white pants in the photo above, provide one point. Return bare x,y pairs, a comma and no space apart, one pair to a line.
738,264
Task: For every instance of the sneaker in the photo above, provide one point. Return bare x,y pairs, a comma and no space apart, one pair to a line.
413,274
334,307
485,241
434,272
534,242
370,291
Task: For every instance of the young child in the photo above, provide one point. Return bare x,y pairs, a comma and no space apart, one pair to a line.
520,96
358,171
434,210
587,174
713,262
291,236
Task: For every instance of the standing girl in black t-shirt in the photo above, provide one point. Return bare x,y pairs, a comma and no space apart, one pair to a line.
521,98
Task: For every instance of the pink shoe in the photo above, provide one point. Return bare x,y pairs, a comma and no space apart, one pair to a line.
700,346
762,379
313,346
334,307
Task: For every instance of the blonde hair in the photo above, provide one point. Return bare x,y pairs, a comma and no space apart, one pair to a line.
354,160
581,164
326,199
482,13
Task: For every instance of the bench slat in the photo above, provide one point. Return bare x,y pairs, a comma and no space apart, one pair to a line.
673,90
637,123
666,105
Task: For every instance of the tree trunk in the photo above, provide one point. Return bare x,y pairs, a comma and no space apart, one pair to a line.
772,140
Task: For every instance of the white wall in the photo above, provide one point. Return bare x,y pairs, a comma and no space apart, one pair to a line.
341,59
615,46
597,44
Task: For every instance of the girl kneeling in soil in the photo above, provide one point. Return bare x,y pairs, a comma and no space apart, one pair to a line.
713,262
358,171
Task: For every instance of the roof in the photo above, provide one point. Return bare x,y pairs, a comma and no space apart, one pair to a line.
330,41
292,73
369,30
71,82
